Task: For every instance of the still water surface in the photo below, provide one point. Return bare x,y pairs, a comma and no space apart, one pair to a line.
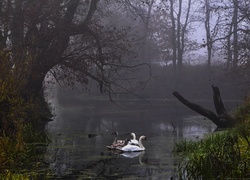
75,154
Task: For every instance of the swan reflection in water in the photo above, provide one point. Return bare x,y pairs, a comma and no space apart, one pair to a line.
134,155
131,155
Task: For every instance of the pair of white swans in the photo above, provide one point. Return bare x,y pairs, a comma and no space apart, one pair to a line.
128,145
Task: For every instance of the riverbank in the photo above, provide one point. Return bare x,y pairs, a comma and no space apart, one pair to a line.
22,153
221,155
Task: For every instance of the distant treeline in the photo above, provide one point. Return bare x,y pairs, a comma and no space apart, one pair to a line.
195,84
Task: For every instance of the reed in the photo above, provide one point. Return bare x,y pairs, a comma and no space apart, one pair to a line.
23,151
221,155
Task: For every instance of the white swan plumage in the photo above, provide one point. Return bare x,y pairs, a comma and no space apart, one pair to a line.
133,141
133,148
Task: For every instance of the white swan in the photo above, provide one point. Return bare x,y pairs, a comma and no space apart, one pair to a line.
133,148
133,141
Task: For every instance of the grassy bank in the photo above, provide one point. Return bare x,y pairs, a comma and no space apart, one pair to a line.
221,155
21,146
22,154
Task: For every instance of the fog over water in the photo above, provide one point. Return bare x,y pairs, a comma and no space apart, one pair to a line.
104,66
74,152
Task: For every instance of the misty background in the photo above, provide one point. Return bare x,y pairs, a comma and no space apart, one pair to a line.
148,49
74,68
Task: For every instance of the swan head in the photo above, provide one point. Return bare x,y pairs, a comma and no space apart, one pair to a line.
133,135
143,137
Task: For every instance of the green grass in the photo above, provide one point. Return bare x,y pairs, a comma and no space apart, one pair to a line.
221,155
22,154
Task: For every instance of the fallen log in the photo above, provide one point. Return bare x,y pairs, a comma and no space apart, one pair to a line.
222,119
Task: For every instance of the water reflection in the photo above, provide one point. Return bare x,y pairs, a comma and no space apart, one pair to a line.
73,153
133,154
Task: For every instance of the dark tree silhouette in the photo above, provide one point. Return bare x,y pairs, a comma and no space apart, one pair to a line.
69,40
222,119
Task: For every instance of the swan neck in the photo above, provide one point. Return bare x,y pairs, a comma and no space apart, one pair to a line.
140,143
115,140
134,137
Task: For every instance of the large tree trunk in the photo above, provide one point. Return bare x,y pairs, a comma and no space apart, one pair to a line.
222,119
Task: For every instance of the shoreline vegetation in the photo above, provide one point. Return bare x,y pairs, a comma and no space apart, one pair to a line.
221,155
23,138
22,153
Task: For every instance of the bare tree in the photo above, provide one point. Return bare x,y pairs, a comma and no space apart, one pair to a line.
179,31
235,33
69,39
143,10
208,30
74,41
173,33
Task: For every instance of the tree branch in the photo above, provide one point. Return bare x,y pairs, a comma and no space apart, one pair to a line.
201,110
83,26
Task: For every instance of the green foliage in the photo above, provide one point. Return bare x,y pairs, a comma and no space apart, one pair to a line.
15,105
219,156
242,113
21,147
22,153
9,175
12,106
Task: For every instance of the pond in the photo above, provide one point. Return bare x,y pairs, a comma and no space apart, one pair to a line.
82,128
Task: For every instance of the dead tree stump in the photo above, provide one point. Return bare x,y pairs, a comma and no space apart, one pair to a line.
222,119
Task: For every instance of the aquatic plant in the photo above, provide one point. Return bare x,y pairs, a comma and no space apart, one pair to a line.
10,175
242,113
22,151
221,155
